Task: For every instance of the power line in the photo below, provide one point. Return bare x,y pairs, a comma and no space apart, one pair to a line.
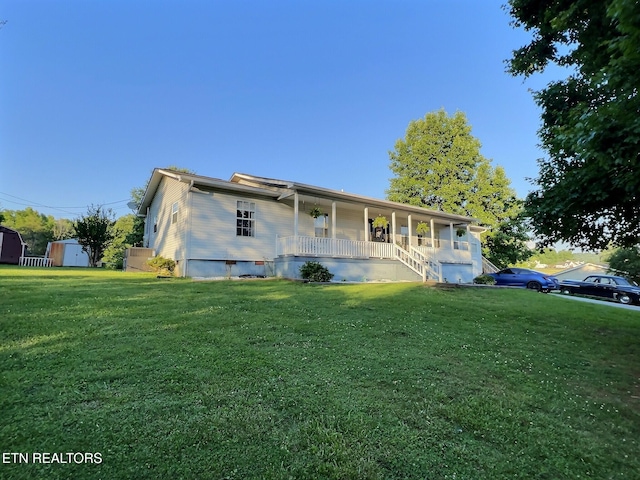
49,206
31,203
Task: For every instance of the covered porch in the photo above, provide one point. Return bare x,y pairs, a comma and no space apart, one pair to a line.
347,229
337,229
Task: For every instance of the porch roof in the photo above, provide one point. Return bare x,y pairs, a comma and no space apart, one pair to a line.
287,187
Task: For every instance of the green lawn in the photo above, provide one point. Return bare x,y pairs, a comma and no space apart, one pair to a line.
171,379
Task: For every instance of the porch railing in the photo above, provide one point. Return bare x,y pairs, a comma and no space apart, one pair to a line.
488,267
36,262
426,242
412,261
419,259
433,266
332,247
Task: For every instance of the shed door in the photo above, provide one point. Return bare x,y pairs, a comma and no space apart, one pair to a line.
78,258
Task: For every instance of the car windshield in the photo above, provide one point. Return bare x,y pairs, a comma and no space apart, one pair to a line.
624,281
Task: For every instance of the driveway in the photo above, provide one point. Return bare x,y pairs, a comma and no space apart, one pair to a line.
599,302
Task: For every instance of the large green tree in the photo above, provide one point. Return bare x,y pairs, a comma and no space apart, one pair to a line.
35,228
626,261
438,165
95,232
588,185
506,243
62,229
123,234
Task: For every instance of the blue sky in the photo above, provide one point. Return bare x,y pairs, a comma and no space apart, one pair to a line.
95,94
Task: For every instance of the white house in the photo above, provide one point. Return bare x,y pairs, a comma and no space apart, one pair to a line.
262,226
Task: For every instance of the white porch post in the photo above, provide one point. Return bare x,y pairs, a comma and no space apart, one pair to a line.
393,227
333,219
431,229
410,230
451,234
366,224
334,209
295,222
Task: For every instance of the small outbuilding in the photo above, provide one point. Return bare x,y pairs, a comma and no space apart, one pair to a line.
67,253
11,246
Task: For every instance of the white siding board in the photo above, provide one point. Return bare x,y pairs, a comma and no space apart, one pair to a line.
213,227
349,224
169,240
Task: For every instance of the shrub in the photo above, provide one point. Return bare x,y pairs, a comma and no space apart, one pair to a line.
161,265
484,280
315,272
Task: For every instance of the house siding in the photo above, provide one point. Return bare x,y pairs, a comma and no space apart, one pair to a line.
213,227
220,269
458,272
169,239
349,224
349,269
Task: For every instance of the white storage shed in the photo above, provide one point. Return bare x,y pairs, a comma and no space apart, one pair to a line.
67,253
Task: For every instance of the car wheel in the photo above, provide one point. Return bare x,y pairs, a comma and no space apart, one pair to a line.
534,286
566,291
624,298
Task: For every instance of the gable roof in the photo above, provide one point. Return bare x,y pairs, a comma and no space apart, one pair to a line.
282,189
194,181
11,231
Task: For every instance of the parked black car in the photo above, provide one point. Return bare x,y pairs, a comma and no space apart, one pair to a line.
523,277
607,286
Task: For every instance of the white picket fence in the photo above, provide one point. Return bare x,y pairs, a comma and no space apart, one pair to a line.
36,262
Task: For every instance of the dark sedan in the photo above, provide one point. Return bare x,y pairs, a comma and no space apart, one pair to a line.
523,277
606,286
